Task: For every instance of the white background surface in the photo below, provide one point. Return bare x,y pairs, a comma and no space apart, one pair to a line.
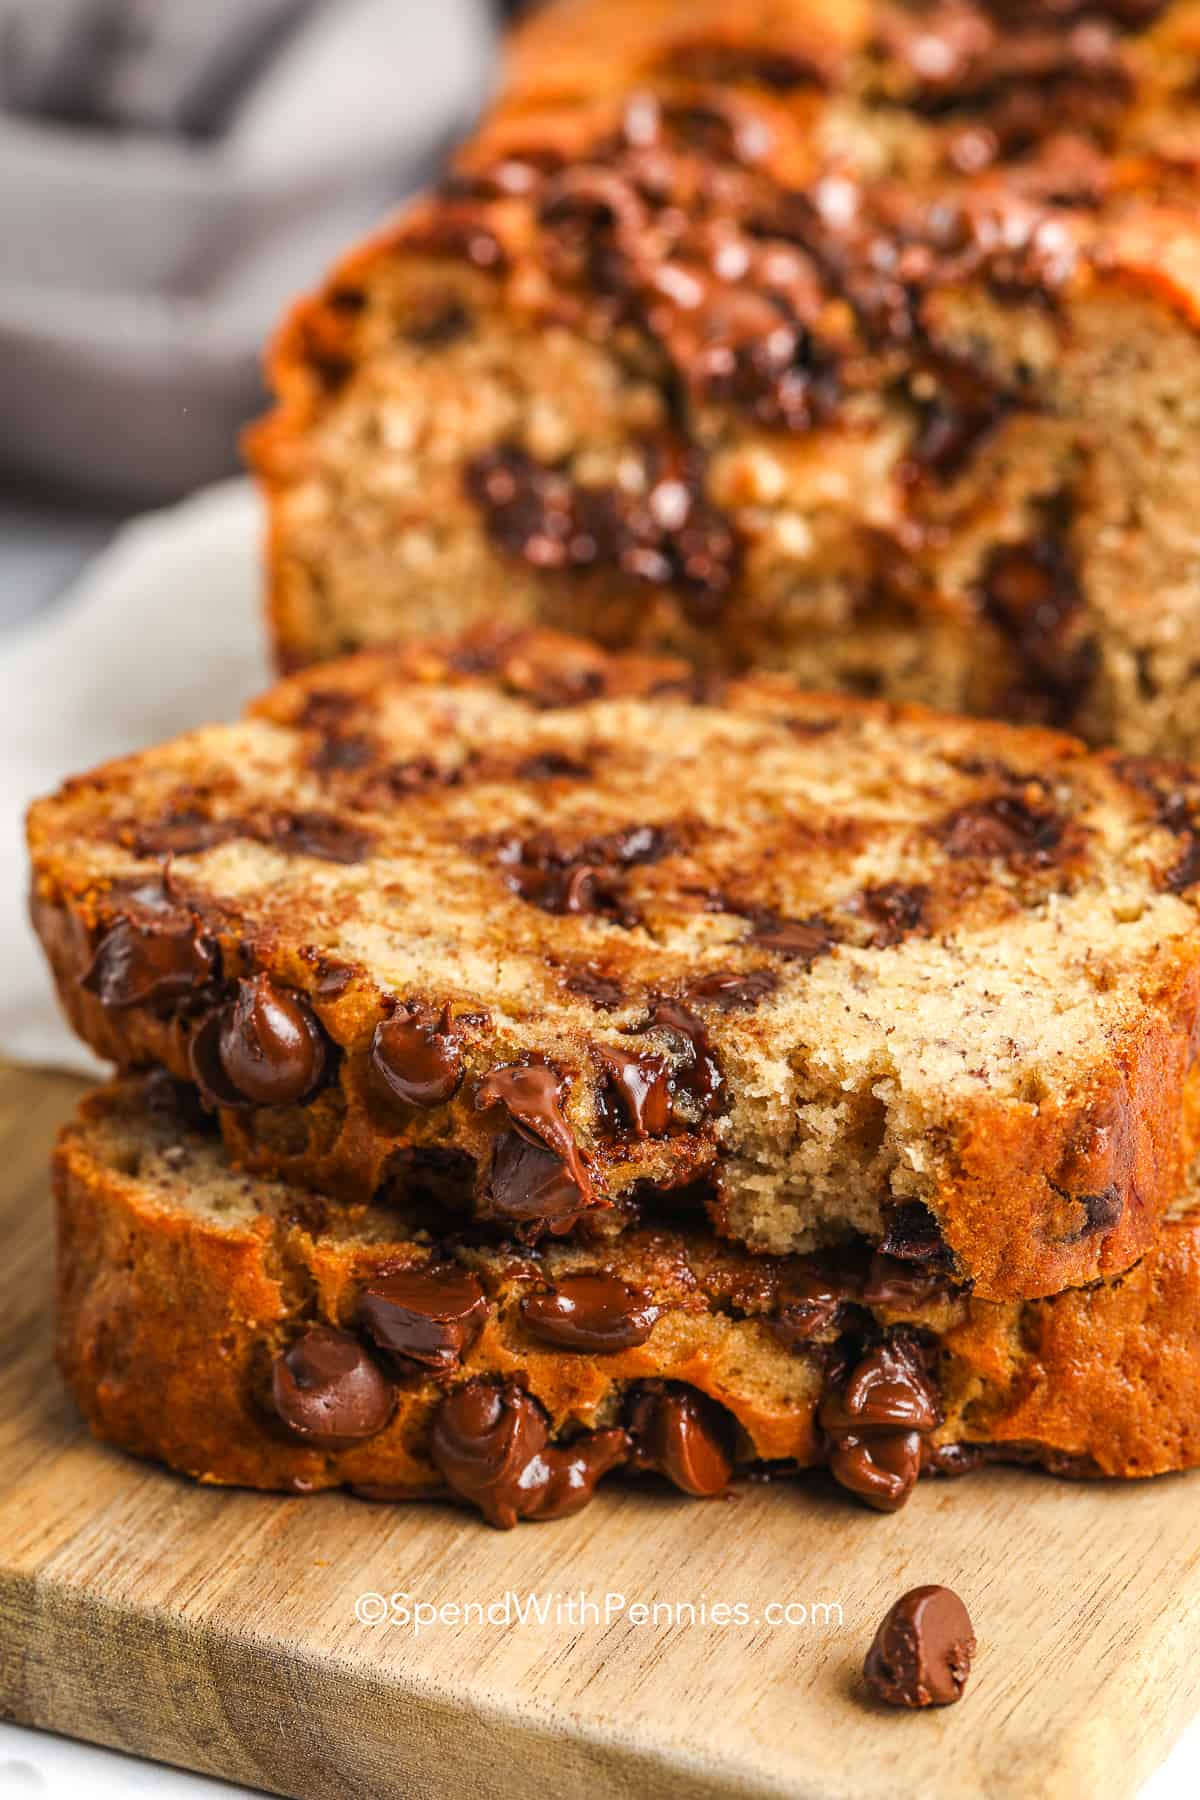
163,632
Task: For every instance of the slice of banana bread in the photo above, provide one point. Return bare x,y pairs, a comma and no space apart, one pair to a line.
359,1346
858,341
568,932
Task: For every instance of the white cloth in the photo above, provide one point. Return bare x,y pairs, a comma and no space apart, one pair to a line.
162,633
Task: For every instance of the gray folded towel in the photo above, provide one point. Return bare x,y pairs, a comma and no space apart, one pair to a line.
170,172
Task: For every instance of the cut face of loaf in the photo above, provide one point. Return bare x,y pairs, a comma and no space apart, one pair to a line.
361,1348
571,940
752,337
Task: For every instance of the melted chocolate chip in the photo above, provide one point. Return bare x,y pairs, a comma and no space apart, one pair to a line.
1005,826
672,536
583,878
551,765
922,1651
959,408
443,323
328,1391
810,1306
1032,592
913,1235
895,910
730,991
682,1434
698,1074
531,1095
637,1092
532,1189
796,940
590,1312
880,1468
184,833
590,984
892,1282
316,834
887,1390
415,1058
157,959
269,1047
490,1442
429,1315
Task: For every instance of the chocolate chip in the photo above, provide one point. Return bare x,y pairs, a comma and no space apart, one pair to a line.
913,1235
730,991
638,1086
582,878
1101,1211
1032,592
552,765
590,1312
682,1434
809,1306
429,1315
531,1095
341,755
895,910
1005,826
151,960
880,1468
322,835
890,1281
443,323
490,1441
328,1391
796,940
922,1651
270,1048
590,984
415,1058
887,1390
698,1074
185,833
531,1188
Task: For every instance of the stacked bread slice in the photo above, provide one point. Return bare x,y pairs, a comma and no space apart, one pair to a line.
541,1063
857,340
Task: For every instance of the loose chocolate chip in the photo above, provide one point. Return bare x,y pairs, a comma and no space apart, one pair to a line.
639,1082
532,1189
590,1312
682,1434
150,960
415,1058
490,1441
922,1651
880,1468
531,1095
328,1391
731,992
270,1047
887,1390
429,1315
1005,826
796,940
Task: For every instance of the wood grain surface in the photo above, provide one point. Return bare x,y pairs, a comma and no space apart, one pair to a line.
217,1629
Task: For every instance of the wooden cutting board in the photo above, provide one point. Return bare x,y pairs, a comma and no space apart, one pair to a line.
217,1629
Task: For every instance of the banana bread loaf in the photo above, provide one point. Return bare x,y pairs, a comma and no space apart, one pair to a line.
564,931
857,340
250,1333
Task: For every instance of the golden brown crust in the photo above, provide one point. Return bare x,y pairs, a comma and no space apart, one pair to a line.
979,227
180,1283
923,963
